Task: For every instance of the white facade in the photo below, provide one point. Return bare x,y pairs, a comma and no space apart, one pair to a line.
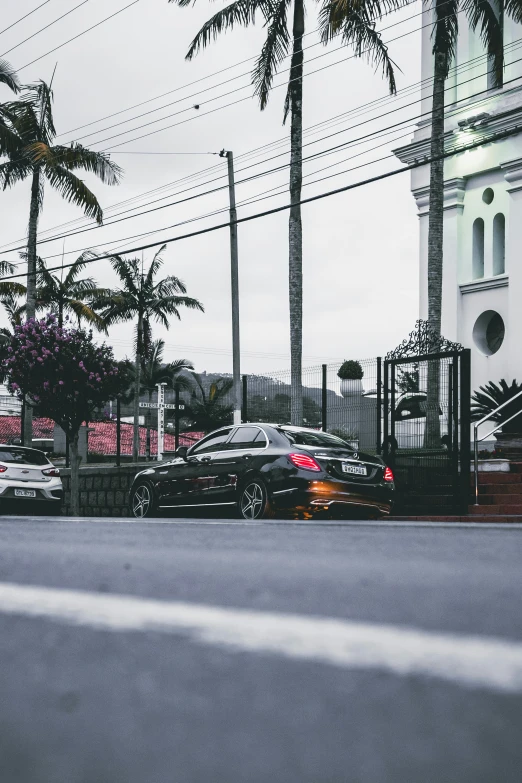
482,274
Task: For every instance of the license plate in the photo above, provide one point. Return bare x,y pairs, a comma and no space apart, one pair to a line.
357,470
25,493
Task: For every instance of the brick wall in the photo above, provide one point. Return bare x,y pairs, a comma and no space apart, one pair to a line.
104,491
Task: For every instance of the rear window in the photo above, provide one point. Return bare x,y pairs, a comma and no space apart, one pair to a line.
22,456
322,439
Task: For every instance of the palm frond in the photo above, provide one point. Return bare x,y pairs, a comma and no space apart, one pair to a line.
356,25
85,313
155,266
241,12
274,51
74,190
446,28
12,288
6,268
128,271
8,76
513,9
77,157
480,13
12,172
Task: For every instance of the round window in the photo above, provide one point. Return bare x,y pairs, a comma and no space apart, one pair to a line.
488,196
489,332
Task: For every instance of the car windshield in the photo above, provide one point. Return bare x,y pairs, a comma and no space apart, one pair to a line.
22,456
322,439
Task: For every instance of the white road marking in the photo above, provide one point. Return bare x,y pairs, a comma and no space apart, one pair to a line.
471,661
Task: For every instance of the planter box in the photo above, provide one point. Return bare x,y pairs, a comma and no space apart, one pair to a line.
492,466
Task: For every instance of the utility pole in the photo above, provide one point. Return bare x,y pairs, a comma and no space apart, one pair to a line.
234,277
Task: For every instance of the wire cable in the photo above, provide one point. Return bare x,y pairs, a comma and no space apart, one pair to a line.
88,30
24,17
44,28
310,199
119,217
199,174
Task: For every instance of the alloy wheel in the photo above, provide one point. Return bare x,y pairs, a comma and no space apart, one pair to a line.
141,501
252,501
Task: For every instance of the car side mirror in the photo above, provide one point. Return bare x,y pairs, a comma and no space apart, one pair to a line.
181,451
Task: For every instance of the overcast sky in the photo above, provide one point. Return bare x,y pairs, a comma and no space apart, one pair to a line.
360,247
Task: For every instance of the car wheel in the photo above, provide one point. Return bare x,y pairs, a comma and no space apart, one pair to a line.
253,500
142,501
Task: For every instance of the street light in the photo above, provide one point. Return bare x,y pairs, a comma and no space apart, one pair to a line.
234,278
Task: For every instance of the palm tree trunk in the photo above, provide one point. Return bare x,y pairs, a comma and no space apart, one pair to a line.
31,244
136,436
295,232
75,475
31,281
435,242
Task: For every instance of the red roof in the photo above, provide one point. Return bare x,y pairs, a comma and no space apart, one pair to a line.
102,435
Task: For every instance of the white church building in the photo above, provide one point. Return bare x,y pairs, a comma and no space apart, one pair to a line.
482,277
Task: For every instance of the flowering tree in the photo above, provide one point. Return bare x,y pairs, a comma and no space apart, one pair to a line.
66,374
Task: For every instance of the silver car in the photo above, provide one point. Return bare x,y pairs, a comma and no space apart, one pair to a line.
27,475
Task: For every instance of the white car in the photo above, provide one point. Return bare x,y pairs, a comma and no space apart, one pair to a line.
27,475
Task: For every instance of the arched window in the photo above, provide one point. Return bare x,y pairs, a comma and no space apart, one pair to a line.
478,249
499,244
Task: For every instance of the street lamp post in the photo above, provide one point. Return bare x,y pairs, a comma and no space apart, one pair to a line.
234,278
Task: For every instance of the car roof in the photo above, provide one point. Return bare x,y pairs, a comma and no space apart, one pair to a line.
17,446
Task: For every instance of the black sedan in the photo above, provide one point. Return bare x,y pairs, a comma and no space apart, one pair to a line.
260,469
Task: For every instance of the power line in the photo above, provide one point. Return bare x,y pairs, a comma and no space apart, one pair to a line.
79,35
223,70
231,92
120,216
44,28
256,152
24,17
310,199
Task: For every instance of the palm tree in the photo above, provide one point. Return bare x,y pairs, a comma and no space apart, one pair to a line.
8,76
445,32
144,299
210,409
64,295
356,20
488,17
27,142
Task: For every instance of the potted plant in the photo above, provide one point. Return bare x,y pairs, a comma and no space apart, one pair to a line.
350,372
486,400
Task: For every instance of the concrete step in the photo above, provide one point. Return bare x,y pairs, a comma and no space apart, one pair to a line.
499,478
500,489
502,509
500,499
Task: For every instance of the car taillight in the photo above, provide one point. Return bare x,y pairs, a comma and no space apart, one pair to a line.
304,462
388,474
51,472
3,468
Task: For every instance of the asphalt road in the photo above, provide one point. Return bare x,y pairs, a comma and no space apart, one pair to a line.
183,688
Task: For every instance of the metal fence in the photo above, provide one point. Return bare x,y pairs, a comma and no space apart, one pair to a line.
347,408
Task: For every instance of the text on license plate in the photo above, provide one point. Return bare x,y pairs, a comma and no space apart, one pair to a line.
358,470
25,493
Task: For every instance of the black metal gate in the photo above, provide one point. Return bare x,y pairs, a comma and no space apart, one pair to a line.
426,427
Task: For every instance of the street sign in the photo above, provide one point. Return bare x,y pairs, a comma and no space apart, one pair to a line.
170,406
161,406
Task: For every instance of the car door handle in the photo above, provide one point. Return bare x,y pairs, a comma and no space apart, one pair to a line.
163,472
205,459
246,456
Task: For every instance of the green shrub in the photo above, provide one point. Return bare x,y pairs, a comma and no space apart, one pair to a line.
350,371
491,396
